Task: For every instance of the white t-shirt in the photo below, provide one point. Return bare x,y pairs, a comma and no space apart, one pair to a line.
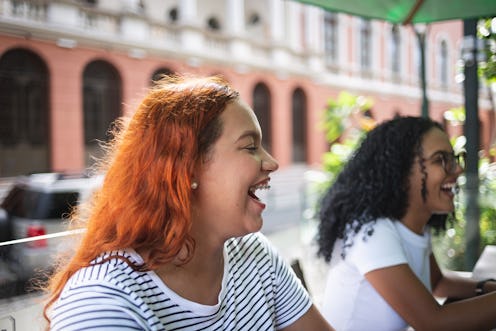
259,292
350,302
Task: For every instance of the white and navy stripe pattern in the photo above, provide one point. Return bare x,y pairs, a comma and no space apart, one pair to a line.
259,292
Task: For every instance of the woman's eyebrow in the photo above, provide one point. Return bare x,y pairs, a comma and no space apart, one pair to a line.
249,134
441,152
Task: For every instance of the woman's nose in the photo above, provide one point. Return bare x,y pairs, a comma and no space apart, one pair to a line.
269,163
459,169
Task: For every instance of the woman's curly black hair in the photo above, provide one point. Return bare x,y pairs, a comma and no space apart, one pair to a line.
374,183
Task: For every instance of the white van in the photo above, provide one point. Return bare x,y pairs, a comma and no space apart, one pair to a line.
36,206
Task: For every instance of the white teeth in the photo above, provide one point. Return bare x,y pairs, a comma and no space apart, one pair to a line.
453,187
260,187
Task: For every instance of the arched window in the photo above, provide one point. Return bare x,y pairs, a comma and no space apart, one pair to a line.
262,108
443,64
299,110
395,50
101,105
24,125
159,73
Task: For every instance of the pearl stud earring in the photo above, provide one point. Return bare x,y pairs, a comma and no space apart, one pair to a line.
194,185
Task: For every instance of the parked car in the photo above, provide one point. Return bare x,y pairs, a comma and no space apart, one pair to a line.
37,205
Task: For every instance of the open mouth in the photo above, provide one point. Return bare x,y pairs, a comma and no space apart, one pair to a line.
452,188
260,186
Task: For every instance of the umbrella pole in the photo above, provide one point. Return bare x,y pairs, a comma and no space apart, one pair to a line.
471,132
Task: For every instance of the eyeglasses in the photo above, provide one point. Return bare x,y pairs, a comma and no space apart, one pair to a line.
450,161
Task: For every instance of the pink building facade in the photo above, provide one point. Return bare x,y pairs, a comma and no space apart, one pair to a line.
286,66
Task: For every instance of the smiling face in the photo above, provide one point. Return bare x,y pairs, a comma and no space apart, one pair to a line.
438,183
225,203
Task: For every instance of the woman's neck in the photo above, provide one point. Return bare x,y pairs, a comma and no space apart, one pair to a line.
198,280
415,221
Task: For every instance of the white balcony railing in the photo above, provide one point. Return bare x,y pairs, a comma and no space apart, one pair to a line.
66,19
25,9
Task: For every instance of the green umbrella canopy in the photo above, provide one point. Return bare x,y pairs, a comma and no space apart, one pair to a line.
410,11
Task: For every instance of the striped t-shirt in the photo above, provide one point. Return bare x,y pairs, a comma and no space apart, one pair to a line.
259,292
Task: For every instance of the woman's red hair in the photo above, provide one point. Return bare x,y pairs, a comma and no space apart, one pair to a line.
144,202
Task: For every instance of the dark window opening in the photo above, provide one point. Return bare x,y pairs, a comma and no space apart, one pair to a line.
101,104
365,45
174,15
160,73
213,24
254,19
444,64
24,113
330,37
395,50
299,116
262,108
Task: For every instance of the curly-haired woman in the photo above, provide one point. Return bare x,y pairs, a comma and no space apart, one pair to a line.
171,240
375,230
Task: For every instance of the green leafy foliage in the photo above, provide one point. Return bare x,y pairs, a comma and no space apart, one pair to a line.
344,123
486,31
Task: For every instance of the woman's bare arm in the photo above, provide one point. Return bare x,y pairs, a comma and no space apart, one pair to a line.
450,285
404,292
311,320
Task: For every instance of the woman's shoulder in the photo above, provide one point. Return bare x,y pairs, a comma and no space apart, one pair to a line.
251,245
376,227
249,242
375,235
385,222
113,266
380,225
109,289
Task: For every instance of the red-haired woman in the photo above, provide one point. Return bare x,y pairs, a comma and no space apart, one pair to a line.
171,240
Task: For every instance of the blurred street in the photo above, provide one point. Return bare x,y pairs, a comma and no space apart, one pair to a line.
289,222
291,198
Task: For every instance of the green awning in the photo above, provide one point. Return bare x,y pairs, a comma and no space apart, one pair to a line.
410,11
